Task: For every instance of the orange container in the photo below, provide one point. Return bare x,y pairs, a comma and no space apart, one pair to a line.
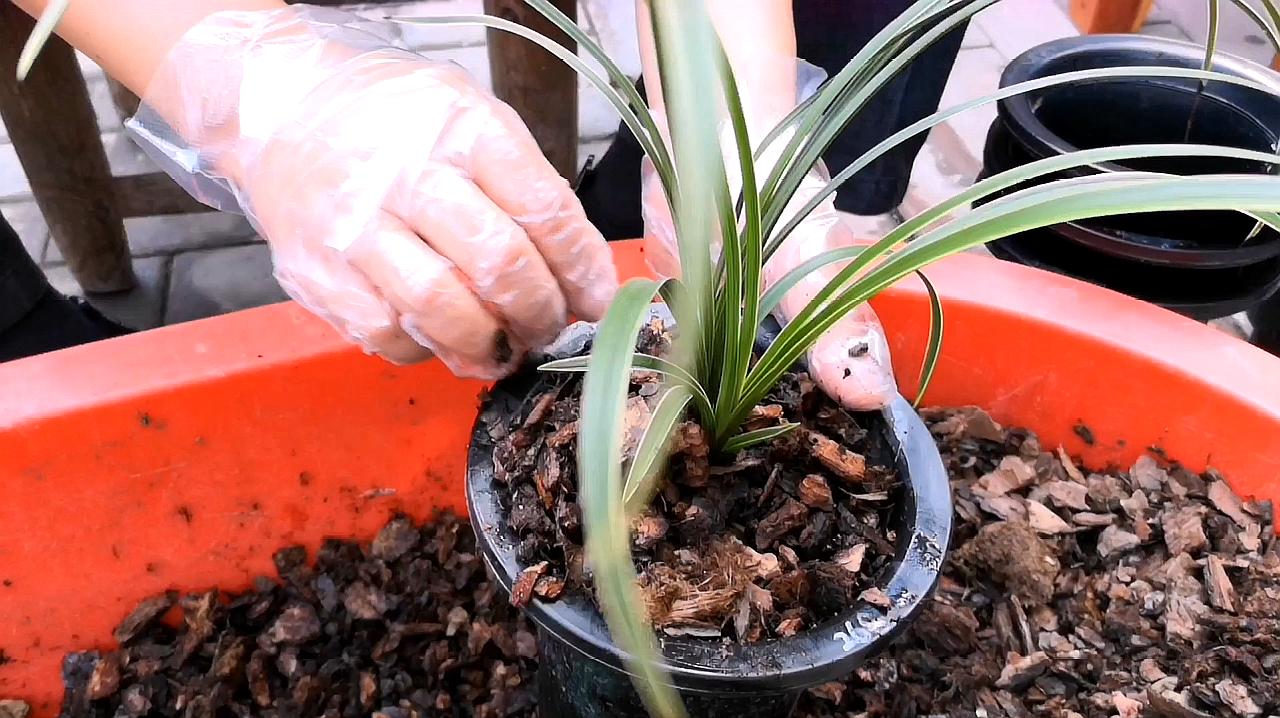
183,457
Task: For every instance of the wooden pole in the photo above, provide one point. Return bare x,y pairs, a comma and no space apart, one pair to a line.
1103,16
54,131
541,88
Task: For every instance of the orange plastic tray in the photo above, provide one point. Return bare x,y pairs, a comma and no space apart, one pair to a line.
183,457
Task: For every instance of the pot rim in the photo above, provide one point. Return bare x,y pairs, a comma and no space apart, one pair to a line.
1125,244
1018,250
829,650
1018,112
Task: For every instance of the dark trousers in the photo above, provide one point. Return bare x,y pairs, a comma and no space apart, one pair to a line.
22,284
828,34
34,318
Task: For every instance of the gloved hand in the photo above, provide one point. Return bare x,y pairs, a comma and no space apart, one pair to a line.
402,203
850,362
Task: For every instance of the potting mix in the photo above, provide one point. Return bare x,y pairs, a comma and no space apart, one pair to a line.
1151,591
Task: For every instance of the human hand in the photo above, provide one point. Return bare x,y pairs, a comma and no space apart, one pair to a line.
403,204
850,361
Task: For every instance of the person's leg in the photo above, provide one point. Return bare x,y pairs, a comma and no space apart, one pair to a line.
22,285
829,33
33,317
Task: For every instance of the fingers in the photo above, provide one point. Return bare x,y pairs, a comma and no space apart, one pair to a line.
850,362
433,304
495,255
324,284
506,164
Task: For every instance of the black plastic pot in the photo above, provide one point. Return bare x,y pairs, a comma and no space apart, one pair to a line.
581,671
1265,317
1196,262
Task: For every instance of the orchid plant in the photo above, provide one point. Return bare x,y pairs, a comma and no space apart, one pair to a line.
719,302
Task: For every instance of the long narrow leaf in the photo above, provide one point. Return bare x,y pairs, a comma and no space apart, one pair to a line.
933,349
863,257
637,119
1061,201
607,532
1272,32
747,439
789,280
1211,44
651,454
777,238
741,298
643,362
1273,11
685,43
859,69
40,35
948,18
662,160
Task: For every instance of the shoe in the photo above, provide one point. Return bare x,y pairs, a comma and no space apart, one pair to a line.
57,322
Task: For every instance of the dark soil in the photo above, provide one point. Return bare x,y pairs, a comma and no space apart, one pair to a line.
1147,592
761,544
410,626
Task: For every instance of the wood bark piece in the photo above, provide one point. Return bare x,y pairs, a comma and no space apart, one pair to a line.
815,492
1115,540
541,88
1014,473
54,132
845,464
1226,501
1183,531
1221,593
1021,670
1044,520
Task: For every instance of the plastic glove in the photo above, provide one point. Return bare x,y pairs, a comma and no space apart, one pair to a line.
402,203
850,362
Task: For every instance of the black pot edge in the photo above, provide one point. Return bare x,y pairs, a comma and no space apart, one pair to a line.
826,652
1017,111
1123,244
1010,250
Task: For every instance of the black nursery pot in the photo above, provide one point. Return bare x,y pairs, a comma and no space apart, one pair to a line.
1204,253
581,672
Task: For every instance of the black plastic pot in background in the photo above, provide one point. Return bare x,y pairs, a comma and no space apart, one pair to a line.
581,672
1199,263
1265,317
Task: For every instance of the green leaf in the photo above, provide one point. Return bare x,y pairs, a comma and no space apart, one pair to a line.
630,108
1262,22
607,532
1273,11
1211,46
686,48
934,347
619,79
863,257
741,298
651,454
40,35
789,280
643,362
777,238
747,439
935,21
1046,205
